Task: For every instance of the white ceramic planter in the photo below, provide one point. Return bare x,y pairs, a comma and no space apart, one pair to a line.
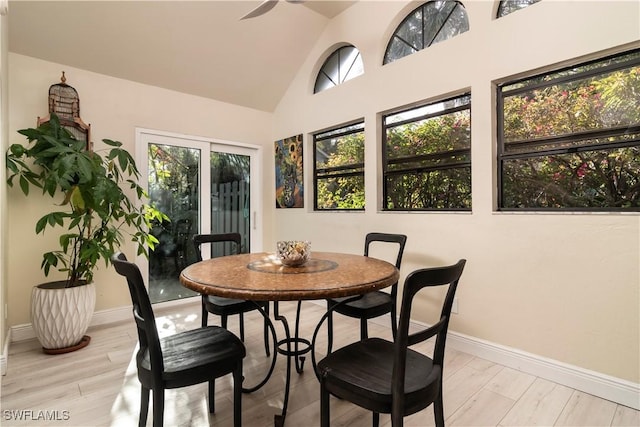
60,316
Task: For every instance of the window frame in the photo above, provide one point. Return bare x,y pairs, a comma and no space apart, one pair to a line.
550,140
441,154
341,78
326,173
459,4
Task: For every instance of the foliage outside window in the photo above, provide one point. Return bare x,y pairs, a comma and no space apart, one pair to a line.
343,64
339,168
174,185
427,157
570,139
508,6
174,181
430,23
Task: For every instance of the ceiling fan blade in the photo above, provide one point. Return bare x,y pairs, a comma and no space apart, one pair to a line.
263,8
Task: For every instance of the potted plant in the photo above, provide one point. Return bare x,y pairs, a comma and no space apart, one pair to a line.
95,213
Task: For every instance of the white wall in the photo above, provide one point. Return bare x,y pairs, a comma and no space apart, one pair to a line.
563,286
114,108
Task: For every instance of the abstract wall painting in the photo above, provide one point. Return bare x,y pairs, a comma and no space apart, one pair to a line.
289,173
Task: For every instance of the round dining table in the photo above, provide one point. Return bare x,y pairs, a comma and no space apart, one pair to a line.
262,277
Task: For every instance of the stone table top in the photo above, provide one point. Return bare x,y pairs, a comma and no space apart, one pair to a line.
261,276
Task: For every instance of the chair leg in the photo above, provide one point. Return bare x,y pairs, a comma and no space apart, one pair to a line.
397,420
237,396
241,320
324,406
364,334
158,407
394,323
144,406
223,320
212,396
438,408
266,332
330,331
205,315
376,419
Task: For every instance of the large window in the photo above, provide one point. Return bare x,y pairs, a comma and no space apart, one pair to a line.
431,23
570,139
427,157
338,171
342,65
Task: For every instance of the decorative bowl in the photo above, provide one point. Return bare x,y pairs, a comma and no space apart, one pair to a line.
293,253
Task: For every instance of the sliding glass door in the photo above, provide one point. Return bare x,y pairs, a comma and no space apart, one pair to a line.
230,193
203,186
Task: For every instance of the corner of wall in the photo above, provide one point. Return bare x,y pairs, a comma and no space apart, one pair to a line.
4,137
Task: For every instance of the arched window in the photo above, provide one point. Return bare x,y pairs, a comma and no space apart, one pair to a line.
342,65
433,22
508,6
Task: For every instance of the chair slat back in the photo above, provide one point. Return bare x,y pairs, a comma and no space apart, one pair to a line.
400,239
142,311
200,239
415,282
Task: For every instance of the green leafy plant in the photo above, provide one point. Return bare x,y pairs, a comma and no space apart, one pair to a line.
95,210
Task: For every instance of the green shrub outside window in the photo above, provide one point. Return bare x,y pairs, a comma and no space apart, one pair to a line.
339,168
427,157
570,139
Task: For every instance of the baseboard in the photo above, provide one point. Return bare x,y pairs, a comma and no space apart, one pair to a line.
102,317
4,357
607,387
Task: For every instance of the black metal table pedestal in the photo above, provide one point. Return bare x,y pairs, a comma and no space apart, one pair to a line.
301,346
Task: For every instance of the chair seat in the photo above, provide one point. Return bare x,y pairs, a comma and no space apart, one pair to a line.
372,304
361,373
229,306
192,355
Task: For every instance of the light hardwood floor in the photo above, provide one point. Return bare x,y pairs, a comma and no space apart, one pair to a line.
97,386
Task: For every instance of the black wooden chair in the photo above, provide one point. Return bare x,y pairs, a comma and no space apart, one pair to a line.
225,307
180,360
373,304
388,377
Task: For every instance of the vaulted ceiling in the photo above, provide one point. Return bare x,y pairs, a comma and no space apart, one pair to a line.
195,47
